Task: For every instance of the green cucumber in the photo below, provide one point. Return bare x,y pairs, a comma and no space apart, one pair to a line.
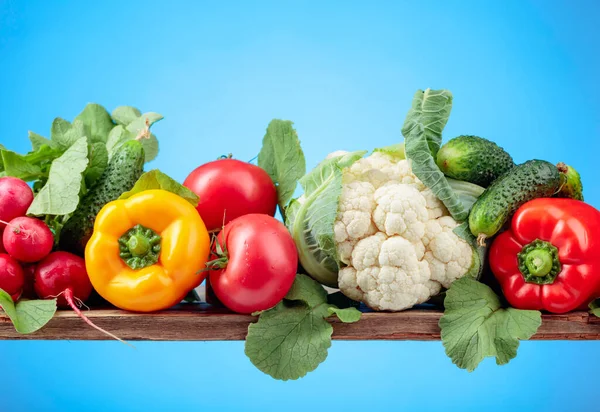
525,182
571,185
473,159
124,169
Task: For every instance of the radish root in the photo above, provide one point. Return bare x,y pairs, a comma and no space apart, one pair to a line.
68,293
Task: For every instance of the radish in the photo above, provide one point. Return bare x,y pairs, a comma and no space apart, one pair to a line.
11,276
2,250
62,275
28,272
15,198
27,239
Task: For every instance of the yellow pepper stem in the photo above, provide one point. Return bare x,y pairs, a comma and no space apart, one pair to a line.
139,247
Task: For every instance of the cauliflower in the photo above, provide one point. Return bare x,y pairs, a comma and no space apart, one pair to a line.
394,236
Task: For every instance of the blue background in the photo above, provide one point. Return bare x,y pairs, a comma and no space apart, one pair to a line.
523,73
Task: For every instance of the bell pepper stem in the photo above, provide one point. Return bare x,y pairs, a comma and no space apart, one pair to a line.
139,247
539,263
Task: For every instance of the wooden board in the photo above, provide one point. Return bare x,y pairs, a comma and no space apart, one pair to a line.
205,323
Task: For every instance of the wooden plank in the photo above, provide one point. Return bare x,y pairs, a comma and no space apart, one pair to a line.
205,323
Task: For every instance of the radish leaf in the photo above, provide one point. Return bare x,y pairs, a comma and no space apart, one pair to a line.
96,122
27,316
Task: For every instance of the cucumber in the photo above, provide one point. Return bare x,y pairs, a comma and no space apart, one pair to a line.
473,159
525,182
124,169
571,185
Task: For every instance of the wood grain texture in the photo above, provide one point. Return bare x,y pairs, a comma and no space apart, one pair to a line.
192,322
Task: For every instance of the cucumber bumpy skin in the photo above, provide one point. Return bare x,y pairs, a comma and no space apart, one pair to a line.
121,174
525,182
473,159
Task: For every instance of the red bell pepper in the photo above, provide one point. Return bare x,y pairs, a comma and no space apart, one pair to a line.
550,257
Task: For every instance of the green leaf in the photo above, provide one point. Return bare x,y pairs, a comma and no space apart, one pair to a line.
155,179
121,134
395,150
595,308
289,340
96,121
59,129
28,316
307,290
311,217
38,141
422,132
60,195
16,165
98,160
346,315
124,115
475,325
282,158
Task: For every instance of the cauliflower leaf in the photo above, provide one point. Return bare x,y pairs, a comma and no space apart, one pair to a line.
475,325
292,339
422,131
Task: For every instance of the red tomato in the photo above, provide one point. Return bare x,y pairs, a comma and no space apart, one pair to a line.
261,263
230,188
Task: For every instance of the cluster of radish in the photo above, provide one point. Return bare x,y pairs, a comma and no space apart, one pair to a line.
28,266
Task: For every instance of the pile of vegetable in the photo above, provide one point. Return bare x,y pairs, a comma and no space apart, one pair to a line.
415,223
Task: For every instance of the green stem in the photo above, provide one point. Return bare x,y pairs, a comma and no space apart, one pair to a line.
539,263
139,247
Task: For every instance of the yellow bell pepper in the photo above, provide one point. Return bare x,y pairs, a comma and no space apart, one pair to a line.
147,251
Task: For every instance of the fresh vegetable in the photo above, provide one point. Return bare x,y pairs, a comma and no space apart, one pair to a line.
124,169
62,276
15,198
525,182
65,167
230,188
27,239
292,339
29,276
475,325
550,258
282,158
12,279
155,179
571,186
146,251
473,159
254,262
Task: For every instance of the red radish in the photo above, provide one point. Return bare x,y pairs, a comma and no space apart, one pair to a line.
2,250
27,239
62,275
28,289
11,276
15,198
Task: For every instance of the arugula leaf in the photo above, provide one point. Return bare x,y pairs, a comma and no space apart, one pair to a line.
98,157
27,316
96,121
155,179
16,165
38,141
60,194
475,325
292,339
124,115
595,308
282,158
422,132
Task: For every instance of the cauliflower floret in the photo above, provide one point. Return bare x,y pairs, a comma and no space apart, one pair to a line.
395,236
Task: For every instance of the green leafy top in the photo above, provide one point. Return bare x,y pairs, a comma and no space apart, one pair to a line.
292,339
155,179
422,132
475,325
282,158
27,316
